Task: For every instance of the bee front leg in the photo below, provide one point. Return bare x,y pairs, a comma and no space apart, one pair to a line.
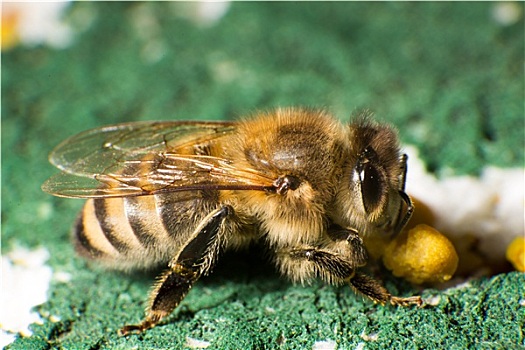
196,258
335,269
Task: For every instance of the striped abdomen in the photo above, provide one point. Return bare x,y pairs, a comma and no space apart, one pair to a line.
138,232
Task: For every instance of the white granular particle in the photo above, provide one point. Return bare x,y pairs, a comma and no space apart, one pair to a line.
507,13
41,22
196,343
489,207
369,337
62,277
25,282
211,12
324,345
205,13
433,300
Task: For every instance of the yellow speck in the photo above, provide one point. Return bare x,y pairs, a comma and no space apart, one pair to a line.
516,253
10,36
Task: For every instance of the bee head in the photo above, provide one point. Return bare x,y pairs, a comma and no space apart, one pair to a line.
371,196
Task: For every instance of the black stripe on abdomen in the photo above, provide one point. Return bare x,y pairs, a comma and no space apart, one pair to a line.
82,243
143,218
106,219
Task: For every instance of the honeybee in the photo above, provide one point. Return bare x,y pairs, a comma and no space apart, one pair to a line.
177,194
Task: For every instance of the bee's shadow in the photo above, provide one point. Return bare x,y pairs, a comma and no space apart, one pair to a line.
240,267
244,267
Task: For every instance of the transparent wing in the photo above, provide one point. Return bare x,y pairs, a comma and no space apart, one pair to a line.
145,158
93,151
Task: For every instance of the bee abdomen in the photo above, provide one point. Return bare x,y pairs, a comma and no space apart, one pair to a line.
122,232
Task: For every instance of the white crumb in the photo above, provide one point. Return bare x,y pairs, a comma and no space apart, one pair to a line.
269,310
369,337
25,282
210,13
506,13
433,300
196,343
490,207
62,277
40,23
54,318
205,14
324,345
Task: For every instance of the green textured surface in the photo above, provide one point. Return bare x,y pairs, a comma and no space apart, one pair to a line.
446,73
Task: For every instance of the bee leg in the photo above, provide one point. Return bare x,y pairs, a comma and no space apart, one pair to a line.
329,267
362,283
333,268
196,259
356,249
372,289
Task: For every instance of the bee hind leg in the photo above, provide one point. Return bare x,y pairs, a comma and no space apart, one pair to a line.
195,259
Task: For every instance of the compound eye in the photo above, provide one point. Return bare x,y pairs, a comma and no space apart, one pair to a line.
371,188
370,180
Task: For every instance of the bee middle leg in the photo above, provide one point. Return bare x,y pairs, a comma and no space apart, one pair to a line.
196,259
334,268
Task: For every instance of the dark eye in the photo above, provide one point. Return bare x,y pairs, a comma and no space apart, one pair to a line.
370,180
371,187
